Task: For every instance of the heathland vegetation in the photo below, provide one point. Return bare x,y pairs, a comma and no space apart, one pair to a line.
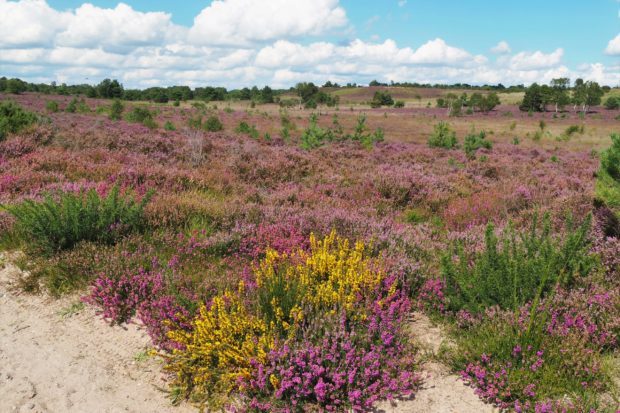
274,243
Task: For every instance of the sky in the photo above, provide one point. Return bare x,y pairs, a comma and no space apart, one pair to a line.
237,43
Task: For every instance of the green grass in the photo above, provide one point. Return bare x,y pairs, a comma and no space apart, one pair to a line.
71,310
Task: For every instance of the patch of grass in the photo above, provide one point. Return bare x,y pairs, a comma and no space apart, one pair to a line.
71,310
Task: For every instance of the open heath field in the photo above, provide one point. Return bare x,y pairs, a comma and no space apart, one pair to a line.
332,258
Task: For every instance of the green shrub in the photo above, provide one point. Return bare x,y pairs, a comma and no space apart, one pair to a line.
442,137
473,142
13,118
51,106
515,268
610,158
57,224
381,98
399,104
139,114
612,102
72,106
315,136
169,126
116,110
246,129
213,124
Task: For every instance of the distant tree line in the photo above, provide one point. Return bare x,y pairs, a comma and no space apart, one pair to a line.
113,89
583,95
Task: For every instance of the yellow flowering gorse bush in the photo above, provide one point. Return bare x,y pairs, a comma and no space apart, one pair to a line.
217,352
333,277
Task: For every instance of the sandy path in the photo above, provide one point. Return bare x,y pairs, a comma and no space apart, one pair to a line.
441,392
51,361
71,363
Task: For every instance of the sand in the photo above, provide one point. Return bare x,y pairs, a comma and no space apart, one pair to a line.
56,356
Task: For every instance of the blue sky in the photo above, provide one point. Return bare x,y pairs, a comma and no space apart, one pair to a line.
279,42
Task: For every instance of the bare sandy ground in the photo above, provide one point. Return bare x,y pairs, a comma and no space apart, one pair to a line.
56,357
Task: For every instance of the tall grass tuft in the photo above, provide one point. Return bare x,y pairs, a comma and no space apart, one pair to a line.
57,224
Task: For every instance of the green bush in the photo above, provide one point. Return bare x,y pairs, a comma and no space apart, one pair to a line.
139,115
516,268
57,224
610,158
213,124
72,106
315,136
473,142
116,110
169,126
443,137
399,104
612,102
13,118
246,129
381,98
51,106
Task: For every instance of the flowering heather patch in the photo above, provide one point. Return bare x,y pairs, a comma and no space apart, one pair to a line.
319,321
326,332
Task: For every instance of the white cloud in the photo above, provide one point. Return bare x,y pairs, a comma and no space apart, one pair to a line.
238,43
613,47
501,48
536,60
244,22
29,23
115,29
402,3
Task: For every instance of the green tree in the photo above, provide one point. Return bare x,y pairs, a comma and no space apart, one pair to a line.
109,89
116,110
533,100
306,91
587,94
559,92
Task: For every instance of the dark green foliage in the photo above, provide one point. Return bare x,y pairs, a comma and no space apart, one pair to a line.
483,103
473,142
72,106
612,102
443,137
515,268
534,99
381,98
57,224
246,129
13,118
140,114
399,104
116,110
51,106
109,89
169,126
213,124
610,158
315,136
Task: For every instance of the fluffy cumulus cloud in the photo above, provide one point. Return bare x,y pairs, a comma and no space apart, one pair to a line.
536,60
237,43
613,47
244,22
